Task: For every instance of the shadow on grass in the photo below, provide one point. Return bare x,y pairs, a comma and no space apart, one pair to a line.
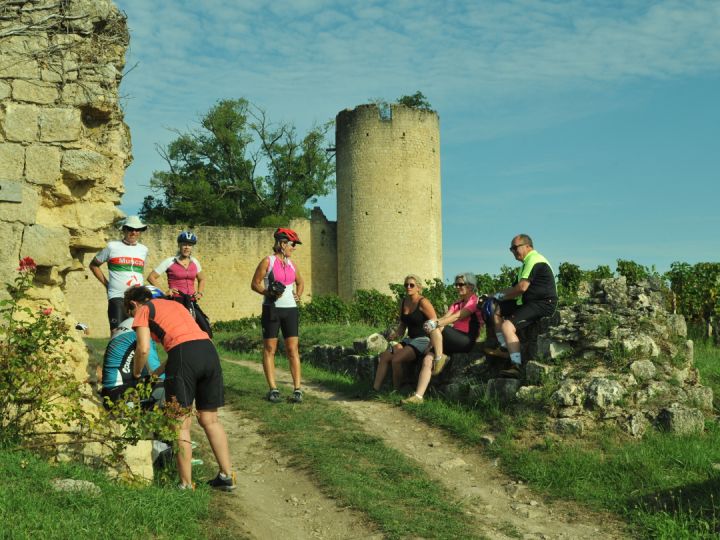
693,504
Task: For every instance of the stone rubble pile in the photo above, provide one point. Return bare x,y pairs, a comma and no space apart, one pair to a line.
617,356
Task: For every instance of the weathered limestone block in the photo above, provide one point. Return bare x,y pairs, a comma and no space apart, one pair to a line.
21,122
615,291
567,426
12,161
12,235
659,391
603,392
34,92
89,93
681,420
531,395
60,125
568,394
558,349
373,344
636,424
504,390
84,165
48,246
642,344
643,370
5,89
16,66
85,13
700,397
42,164
26,211
535,372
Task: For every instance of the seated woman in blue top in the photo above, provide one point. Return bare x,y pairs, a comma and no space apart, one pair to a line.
415,309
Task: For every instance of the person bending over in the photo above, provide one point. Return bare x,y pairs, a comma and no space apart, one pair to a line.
192,375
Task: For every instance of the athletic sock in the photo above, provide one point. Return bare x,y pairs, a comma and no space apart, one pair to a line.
515,358
501,339
224,476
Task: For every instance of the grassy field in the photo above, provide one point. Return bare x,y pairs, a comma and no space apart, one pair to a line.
664,485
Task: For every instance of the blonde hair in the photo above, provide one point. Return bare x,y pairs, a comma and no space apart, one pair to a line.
416,279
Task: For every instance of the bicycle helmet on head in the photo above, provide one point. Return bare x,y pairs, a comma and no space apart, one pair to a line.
187,237
155,292
287,234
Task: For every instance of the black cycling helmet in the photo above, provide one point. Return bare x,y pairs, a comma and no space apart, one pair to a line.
187,237
286,234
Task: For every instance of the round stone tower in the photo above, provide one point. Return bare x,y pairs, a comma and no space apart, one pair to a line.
388,196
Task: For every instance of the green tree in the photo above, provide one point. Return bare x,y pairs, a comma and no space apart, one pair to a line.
240,169
416,101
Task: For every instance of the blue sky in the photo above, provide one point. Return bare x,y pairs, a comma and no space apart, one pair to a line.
592,126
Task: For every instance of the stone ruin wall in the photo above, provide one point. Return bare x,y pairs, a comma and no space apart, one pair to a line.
63,144
229,256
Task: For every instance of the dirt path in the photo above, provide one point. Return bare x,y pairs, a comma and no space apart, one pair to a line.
273,501
273,498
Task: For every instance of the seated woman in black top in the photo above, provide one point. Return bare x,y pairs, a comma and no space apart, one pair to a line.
414,311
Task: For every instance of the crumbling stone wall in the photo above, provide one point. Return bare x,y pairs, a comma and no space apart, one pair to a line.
616,357
63,144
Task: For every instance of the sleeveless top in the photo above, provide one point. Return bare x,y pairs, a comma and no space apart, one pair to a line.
414,321
179,277
284,272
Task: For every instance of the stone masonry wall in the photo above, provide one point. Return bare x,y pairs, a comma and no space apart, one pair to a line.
229,256
63,144
388,196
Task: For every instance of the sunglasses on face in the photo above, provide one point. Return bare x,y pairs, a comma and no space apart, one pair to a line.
459,284
515,247
409,285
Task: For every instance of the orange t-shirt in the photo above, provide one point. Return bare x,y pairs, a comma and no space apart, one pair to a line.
171,325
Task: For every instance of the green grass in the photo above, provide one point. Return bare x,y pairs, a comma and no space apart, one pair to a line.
351,466
31,508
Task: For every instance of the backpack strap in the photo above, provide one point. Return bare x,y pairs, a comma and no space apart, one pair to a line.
155,328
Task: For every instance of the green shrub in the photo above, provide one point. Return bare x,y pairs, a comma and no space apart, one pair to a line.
374,308
326,309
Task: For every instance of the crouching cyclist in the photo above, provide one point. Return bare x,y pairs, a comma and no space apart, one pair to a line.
192,375
118,364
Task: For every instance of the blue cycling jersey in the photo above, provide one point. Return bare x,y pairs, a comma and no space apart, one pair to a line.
118,361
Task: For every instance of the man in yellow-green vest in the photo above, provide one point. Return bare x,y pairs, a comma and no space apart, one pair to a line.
533,296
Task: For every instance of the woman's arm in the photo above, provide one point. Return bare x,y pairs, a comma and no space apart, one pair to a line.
153,278
427,309
257,284
299,285
142,350
200,285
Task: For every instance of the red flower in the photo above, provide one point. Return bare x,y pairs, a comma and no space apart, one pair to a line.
47,311
27,265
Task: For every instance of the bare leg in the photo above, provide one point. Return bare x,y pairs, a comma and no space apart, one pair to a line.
510,333
425,374
184,454
269,348
384,361
436,341
400,357
217,438
293,356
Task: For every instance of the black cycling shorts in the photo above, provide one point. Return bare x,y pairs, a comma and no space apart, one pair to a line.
116,312
525,314
274,318
455,341
193,373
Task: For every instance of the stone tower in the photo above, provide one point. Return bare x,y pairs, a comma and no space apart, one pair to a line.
388,196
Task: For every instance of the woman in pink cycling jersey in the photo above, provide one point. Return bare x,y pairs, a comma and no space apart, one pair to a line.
182,271
278,280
